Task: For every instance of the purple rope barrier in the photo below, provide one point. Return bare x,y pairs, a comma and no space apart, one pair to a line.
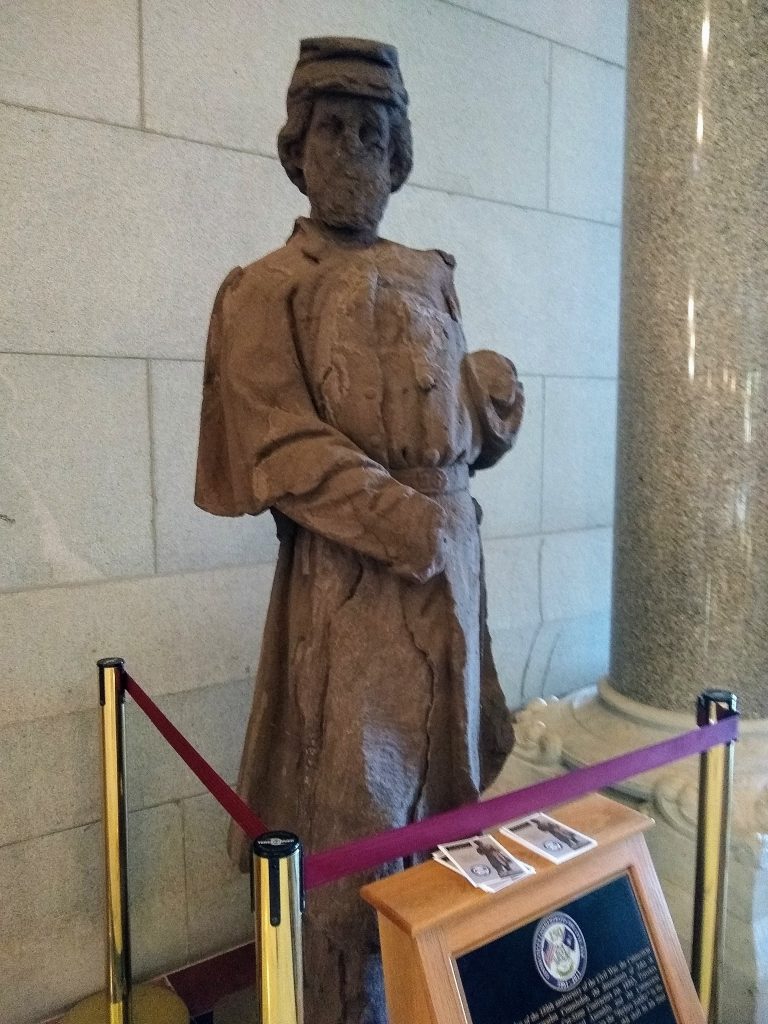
364,854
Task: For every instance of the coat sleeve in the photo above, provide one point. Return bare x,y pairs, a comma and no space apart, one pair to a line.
496,402
491,389
263,444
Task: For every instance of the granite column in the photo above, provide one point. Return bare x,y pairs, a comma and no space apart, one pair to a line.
691,544
690,602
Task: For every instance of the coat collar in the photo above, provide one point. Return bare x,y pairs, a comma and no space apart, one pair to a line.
316,246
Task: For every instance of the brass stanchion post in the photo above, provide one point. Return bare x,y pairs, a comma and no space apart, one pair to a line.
277,893
713,838
120,1004
112,700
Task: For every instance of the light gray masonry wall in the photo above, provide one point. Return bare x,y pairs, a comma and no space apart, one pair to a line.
138,166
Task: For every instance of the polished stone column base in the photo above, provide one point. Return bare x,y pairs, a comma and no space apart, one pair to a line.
596,723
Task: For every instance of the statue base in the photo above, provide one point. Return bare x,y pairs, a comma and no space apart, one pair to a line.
553,737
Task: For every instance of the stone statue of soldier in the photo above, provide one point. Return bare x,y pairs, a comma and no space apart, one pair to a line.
339,395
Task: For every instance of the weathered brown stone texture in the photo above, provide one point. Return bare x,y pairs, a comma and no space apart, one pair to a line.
339,394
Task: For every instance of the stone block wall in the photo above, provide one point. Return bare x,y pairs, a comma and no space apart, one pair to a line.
138,154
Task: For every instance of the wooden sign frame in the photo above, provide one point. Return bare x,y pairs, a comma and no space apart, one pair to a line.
429,917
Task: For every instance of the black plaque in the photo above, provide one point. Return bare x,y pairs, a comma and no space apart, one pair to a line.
589,962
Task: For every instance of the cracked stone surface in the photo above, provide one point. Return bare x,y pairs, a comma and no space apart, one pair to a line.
339,395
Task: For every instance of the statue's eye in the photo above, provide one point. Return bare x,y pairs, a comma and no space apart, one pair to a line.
332,124
369,134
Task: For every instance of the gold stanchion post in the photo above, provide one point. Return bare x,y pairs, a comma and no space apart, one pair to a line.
715,787
120,1004
277,894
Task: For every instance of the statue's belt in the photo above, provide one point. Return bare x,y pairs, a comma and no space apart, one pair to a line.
434,479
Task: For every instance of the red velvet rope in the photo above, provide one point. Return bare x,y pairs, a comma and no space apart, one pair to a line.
363,854
233,804
371,851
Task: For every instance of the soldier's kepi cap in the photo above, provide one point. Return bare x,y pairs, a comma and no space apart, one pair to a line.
357,67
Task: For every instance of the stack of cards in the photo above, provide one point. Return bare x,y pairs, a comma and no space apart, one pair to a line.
489,866
483,861
548,837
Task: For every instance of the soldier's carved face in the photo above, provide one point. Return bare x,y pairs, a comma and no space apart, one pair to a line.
346,162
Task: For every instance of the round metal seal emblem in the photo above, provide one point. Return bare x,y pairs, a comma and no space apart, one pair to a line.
480,870
560,952
553,845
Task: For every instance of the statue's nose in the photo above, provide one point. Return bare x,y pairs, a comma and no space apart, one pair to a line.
350,141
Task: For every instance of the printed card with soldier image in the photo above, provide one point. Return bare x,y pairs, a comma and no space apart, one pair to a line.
548,837
446,862
484,862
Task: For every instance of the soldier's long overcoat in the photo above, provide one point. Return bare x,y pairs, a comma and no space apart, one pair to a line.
339,394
